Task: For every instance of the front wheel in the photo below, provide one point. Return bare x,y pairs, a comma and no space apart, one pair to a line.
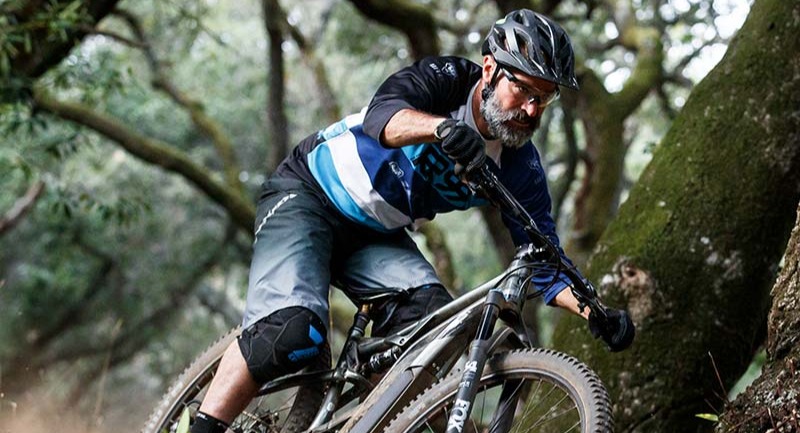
286,411
530,390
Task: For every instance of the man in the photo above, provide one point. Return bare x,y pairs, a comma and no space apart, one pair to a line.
335,210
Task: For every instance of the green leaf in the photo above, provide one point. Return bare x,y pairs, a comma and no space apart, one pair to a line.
708,417
183,424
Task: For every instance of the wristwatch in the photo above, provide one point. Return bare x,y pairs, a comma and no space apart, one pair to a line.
444,129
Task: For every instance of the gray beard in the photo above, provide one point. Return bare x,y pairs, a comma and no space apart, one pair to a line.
496,117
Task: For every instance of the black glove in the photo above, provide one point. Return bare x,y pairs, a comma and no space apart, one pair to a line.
617,330
462,144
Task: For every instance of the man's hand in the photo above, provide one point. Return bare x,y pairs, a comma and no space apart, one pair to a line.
617,331
462,144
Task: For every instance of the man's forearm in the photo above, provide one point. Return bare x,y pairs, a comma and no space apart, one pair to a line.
410,127
565,299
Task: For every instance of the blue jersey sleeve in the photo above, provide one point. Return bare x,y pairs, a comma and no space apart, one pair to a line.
525,178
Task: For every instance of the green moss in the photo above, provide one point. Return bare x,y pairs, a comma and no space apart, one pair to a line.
707,222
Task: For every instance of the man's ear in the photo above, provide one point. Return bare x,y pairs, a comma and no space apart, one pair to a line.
488,68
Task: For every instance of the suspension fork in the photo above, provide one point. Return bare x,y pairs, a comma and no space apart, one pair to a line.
478,354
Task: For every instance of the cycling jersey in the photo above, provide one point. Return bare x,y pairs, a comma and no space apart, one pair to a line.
386,188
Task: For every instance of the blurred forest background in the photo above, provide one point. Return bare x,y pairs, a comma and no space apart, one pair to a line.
134,136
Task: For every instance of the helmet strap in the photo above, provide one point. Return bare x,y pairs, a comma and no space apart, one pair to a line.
490,87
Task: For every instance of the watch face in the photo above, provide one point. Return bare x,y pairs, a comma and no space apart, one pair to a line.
443,130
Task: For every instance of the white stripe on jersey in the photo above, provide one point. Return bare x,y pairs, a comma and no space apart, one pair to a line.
357,183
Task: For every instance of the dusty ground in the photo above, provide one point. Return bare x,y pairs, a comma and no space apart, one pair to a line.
39,414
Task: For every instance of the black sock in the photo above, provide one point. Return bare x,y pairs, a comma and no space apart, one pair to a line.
204,423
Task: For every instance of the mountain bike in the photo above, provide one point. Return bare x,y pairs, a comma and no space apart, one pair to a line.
470,366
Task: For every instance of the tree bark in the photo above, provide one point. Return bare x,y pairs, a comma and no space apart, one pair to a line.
603,115
692,252
278,147
771,402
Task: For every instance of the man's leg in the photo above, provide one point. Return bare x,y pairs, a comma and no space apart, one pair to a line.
283,342
287,298
231,389
394,261
393,316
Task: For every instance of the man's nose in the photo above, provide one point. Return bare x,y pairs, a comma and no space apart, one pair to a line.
530,108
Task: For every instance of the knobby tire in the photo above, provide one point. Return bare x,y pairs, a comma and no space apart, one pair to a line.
560,394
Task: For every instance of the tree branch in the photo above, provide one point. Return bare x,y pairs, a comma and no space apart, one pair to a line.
201,120
73,315
414,20
648,71
546,7
136,334
240,210
21,207
219,302
46,51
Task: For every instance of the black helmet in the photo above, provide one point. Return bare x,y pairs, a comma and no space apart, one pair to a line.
533,44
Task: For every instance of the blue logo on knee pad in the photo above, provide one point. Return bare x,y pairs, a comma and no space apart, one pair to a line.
301,354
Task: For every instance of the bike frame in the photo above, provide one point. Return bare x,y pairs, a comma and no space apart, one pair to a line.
425,347
426,350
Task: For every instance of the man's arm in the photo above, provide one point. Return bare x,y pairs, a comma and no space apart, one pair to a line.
566,300
434,86
409,126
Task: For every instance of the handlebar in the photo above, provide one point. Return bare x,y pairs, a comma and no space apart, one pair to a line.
483,180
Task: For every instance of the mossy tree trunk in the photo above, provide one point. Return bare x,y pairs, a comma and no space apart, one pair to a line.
603,115
693,252
773,399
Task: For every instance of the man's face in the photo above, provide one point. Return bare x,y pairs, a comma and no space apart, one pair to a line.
512,126
511,108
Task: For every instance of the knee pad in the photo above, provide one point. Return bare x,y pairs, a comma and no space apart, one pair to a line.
282,343
396,315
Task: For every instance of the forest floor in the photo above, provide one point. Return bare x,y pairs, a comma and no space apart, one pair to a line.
40,414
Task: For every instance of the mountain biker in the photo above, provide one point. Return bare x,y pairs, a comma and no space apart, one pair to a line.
335,209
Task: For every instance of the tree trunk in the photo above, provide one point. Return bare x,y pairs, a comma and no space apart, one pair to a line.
276,117
772,401
603,115
692,252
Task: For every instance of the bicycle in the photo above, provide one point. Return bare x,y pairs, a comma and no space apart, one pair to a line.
439,374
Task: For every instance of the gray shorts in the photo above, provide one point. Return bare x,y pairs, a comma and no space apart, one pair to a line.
303,245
